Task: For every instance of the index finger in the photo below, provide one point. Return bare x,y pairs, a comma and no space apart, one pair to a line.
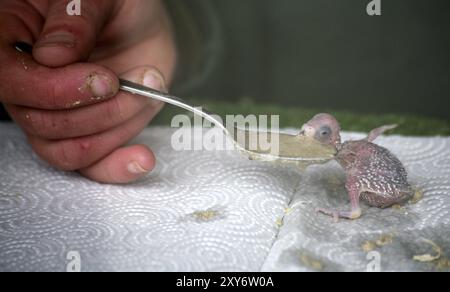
25,82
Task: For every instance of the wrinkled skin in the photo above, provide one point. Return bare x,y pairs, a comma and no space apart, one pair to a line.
65,97
374,174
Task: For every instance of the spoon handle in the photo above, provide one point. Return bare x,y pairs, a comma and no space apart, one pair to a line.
148,92
135,88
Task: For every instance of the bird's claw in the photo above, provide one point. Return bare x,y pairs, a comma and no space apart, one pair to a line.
354,214
328,212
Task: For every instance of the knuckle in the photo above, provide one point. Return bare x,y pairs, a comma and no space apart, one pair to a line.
38,89
50,91
67,155
46,125
84,24
53,154
56,94
36,123
116,111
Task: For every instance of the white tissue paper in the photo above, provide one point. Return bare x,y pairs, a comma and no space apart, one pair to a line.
217,211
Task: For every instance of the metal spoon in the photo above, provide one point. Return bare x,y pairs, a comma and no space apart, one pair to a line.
295,149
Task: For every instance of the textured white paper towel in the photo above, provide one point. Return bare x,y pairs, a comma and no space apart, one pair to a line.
156,224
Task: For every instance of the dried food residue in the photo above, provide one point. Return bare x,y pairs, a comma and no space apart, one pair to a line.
383,240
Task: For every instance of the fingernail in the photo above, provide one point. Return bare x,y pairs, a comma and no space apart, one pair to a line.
135,168
100,85
155,80
57,39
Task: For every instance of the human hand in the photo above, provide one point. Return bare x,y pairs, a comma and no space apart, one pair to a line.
65,97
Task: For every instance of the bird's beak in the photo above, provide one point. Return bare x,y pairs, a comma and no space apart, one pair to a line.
303,130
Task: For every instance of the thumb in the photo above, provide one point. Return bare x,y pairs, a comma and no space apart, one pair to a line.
66,38
129,163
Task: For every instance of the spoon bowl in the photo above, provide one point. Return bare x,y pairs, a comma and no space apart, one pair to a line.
290,149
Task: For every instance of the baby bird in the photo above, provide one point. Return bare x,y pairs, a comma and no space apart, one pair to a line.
374,174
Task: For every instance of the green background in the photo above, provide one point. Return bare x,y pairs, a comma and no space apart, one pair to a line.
328,53
296,58
322,55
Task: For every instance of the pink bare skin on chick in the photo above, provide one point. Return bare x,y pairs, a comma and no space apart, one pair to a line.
374,174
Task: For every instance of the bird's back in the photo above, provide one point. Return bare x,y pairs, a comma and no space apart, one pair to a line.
378,170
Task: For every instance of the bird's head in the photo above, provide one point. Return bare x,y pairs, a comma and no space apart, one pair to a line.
324,128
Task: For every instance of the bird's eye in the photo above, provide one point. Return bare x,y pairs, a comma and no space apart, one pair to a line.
325,131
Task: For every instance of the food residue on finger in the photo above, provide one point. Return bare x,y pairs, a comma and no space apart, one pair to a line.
24,64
